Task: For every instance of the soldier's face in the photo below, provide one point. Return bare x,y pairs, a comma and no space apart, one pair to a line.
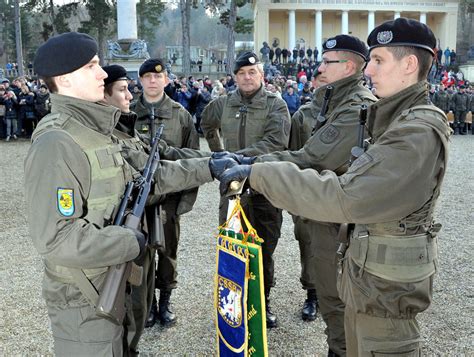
332,71
86,83
120,97
249,79
387,74
153,84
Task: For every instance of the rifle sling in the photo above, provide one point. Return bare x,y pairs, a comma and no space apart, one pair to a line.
85,286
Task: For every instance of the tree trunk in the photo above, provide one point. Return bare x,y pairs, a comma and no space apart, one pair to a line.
231,37
19,49
52,17
101,43
185,8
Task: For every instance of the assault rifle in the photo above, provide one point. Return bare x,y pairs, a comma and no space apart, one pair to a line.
111,304
356,152
321,120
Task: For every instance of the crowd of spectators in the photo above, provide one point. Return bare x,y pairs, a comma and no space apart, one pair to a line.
23,103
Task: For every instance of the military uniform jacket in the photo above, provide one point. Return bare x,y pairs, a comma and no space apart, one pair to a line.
330,147
390,191
179,132
461,102
251,127
71,203
441,100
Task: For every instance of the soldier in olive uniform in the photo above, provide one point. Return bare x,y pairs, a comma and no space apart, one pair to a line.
118,95
75,175
460,102
388,269
441,99
344,58
179,131
252,122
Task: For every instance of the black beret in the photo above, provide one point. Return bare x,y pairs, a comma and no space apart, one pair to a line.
64,53
154,65
114,73
245,59
346,43
402,32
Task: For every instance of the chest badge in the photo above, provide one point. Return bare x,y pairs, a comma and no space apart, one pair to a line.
65,198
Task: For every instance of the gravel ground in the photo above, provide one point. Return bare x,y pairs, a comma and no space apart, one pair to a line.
447,326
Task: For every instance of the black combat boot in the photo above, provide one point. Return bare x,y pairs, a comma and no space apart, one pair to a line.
166,316
310,307
331,353
271,317
153,316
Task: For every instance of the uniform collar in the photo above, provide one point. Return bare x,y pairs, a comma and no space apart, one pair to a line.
126,123
258,100
382,113
162,107
97,116
342,92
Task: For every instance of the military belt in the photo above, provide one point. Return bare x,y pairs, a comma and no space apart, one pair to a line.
397,258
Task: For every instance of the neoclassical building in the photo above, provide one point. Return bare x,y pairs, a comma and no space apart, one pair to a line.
309,23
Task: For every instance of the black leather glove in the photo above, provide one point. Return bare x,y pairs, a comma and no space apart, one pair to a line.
236,173
142,242
218,166
241,159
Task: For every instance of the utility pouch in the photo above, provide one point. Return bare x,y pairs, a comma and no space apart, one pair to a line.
395,258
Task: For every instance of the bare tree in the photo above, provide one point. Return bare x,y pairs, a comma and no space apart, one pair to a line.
185,8
231,36
19,43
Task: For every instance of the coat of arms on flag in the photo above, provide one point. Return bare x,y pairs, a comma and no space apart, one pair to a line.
229,301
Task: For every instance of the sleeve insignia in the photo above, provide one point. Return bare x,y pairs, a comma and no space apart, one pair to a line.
329,134
66,201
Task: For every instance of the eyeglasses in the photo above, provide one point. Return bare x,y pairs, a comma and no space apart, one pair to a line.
326,62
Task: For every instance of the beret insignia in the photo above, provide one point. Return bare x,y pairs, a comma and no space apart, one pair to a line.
384,37
252,60
331,43
158,68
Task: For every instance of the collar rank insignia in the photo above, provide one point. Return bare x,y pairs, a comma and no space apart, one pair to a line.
230,301
384,37
66,201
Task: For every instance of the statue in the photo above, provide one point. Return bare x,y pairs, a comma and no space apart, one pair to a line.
137,50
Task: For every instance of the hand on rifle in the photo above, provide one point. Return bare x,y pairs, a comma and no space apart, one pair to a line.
142,243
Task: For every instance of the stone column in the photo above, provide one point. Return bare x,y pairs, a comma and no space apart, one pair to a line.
370,22
396,15
318,26
291,30
423,17
345,22
126,19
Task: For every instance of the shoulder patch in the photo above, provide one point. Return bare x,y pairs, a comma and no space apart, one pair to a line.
329,134
65,199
